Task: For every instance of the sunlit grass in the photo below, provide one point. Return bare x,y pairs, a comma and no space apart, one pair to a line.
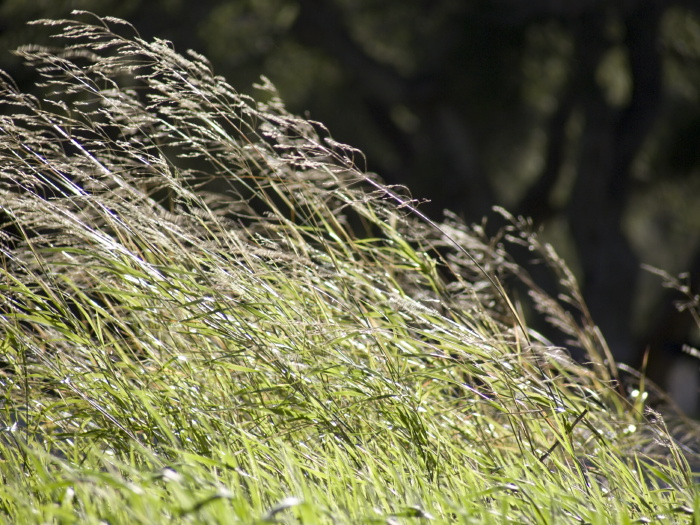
303,347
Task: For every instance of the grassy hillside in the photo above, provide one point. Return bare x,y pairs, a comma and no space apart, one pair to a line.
303,347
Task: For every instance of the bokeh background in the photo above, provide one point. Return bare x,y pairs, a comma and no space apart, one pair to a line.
582,114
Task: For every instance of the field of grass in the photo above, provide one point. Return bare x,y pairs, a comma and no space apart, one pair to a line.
300,346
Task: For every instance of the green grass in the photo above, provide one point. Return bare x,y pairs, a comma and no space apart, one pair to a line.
304,347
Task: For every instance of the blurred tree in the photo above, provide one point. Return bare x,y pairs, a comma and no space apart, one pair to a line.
582,114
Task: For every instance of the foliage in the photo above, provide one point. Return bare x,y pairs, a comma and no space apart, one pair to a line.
306,347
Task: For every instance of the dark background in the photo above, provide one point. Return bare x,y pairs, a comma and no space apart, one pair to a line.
582,114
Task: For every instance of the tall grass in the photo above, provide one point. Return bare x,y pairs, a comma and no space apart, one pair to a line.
300,346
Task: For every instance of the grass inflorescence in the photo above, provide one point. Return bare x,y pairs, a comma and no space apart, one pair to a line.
209,313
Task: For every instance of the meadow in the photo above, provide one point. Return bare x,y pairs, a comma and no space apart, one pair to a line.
210,312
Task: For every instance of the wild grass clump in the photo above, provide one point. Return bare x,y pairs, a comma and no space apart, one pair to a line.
299,346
